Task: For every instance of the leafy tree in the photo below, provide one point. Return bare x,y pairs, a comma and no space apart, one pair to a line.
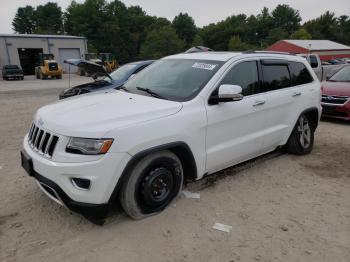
161,42
264,23
286,18
343,32
185,27
236,44
275,35
89,19
324,27
217,36
131,34
44,19
49,19
25,20
301,34
198,41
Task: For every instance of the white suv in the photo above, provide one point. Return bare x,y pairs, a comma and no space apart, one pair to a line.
184,117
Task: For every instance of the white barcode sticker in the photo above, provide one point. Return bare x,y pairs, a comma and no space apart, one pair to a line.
204,66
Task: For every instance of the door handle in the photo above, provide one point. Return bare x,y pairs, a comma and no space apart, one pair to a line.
295,94
259,103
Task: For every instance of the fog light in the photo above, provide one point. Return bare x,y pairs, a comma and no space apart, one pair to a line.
81,183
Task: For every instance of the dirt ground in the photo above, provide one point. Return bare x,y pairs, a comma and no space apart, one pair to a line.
281,207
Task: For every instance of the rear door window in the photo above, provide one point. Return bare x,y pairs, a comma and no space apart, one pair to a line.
299,74
276,76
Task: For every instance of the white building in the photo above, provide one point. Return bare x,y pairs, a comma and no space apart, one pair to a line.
23,50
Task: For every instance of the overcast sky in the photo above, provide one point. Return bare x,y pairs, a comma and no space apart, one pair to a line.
203,11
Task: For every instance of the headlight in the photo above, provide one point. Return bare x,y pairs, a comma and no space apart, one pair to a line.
87,146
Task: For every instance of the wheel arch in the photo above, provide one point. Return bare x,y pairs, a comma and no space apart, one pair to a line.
180,149
313,115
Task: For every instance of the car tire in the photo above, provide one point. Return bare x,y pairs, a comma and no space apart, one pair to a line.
42,76
301,140
152,185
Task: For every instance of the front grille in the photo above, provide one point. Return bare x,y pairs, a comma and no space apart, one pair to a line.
53,66
337,100
42,141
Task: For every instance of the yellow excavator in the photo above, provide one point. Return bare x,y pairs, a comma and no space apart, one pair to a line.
48,67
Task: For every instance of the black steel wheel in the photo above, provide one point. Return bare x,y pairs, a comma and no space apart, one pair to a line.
152,185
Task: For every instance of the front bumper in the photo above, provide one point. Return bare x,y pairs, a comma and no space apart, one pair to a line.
54,178
336,111
52,73
13,76
94,212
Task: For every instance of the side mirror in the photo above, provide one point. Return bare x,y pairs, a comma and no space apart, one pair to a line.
327,78
227,93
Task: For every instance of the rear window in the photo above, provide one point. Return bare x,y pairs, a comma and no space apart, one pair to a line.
299,74
275,77
313,61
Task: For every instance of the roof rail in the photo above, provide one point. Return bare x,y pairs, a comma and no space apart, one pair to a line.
266,52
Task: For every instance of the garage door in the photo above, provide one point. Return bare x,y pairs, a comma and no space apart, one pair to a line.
69,53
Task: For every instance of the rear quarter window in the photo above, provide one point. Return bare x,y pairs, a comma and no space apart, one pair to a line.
300,75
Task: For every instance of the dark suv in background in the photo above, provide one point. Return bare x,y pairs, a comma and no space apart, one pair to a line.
12,72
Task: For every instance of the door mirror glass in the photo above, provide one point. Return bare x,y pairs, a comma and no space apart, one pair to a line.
230,92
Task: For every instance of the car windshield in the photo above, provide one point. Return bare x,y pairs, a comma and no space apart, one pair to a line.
174,79
343,75
121,73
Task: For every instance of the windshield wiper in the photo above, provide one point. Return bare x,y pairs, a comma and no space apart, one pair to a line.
122,88
152,93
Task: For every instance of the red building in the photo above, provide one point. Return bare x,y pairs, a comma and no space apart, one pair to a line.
324,48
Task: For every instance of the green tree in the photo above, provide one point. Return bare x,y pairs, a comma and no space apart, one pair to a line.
301,34
89,19
185,27
217,36
25,20
236,44
323,27
49,19
264,24
275,35
343,32
161,42
198,41
286,18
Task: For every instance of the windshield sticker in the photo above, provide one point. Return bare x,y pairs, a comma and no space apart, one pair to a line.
204,66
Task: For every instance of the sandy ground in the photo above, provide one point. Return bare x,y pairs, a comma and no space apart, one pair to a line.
281,207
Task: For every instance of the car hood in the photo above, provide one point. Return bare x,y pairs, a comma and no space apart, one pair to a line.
91,68
95,114
336,88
